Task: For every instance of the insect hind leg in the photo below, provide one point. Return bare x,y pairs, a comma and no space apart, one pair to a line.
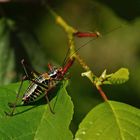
11,105
26,77
26,67
14,105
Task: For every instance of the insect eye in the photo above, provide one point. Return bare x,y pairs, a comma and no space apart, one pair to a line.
54,75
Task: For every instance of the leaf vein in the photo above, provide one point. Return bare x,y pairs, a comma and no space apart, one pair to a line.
116,119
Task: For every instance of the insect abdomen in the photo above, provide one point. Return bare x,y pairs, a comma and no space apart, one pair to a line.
35,91
38,93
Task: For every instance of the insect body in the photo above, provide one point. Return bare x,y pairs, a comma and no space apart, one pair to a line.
34,92
41,85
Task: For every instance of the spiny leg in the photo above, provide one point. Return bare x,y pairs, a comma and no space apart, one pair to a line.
46,96
26,77
13,105
25,67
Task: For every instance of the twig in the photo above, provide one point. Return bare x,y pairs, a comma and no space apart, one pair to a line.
71,31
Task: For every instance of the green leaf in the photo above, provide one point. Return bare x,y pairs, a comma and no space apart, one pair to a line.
119,77
6,54
35,122
110,121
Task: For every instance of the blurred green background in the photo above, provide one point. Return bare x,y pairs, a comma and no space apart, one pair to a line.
27,30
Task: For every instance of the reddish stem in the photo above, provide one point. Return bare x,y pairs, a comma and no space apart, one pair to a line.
102,93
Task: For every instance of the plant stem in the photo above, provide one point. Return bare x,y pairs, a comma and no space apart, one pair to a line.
73,54
102,93
82,63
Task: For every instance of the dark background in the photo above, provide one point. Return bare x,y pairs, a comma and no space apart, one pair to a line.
31,33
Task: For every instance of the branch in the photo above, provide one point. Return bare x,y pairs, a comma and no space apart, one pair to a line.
71,33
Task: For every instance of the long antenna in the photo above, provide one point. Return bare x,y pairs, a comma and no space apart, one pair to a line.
66,58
